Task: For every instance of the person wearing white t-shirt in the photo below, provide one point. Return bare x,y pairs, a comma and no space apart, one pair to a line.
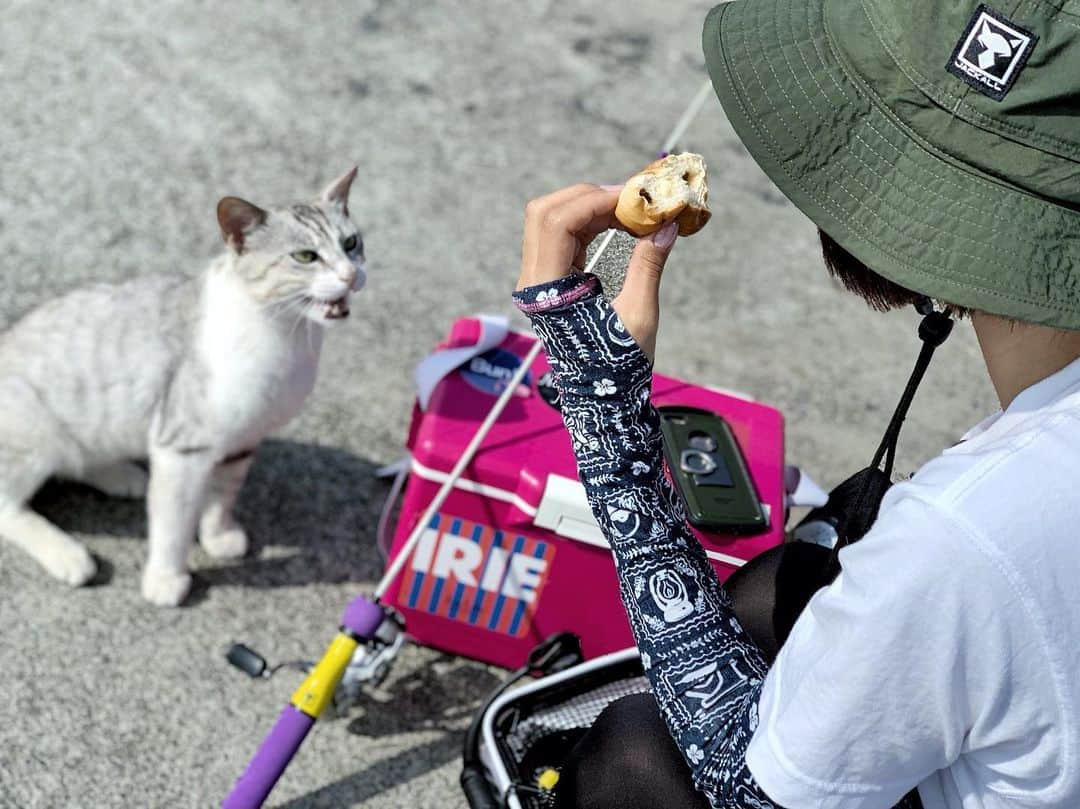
941,665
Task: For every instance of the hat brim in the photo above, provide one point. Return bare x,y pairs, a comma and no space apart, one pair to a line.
902,207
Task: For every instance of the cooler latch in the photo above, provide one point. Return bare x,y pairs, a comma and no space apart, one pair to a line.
564,510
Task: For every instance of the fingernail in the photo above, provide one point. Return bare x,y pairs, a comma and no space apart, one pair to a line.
665,237
613,187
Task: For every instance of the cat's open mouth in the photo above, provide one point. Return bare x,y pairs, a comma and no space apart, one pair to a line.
333,310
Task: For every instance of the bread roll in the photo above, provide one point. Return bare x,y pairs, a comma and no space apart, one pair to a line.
670,188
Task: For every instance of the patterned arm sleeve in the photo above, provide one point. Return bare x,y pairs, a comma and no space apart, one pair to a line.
705,671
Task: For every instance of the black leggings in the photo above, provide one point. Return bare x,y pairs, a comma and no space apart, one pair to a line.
628,759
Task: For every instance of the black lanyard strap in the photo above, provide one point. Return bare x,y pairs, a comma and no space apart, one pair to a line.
934,330
853,505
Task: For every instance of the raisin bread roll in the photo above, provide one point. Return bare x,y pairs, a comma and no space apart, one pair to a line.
670,188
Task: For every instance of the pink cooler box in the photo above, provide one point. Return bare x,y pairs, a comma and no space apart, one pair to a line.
515,555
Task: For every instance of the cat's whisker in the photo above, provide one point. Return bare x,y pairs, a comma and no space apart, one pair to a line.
303,311
311,346
296,305
284,303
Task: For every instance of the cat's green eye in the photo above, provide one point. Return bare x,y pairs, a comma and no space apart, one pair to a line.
305,256
349,244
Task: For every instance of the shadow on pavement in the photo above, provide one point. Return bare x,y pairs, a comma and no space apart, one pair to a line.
310,512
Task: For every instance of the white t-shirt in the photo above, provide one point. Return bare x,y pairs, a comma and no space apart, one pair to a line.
947,652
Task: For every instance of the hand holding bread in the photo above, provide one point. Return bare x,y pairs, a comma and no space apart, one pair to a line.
560,226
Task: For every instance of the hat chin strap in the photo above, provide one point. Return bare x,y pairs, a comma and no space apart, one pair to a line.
934,330
770,591
853,505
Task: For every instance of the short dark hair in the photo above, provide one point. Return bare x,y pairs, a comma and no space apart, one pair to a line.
879,292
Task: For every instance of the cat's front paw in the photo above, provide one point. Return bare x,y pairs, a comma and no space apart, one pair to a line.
71,564
165,588
229,544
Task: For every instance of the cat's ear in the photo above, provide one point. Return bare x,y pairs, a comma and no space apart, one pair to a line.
237,218
337,193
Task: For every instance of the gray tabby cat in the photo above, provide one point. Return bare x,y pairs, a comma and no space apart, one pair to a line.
190,373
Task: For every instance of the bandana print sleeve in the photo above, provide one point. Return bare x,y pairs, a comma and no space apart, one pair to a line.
706,673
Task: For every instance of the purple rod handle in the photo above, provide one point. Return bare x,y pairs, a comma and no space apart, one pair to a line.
362,619
270,762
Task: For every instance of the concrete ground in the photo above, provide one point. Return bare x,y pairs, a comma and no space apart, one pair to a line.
121,124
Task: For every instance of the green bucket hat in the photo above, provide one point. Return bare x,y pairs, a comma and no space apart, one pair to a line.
936,140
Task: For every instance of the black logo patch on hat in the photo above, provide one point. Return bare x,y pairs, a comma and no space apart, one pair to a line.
991,53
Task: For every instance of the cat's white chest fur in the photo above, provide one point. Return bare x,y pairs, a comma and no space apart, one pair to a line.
262,367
